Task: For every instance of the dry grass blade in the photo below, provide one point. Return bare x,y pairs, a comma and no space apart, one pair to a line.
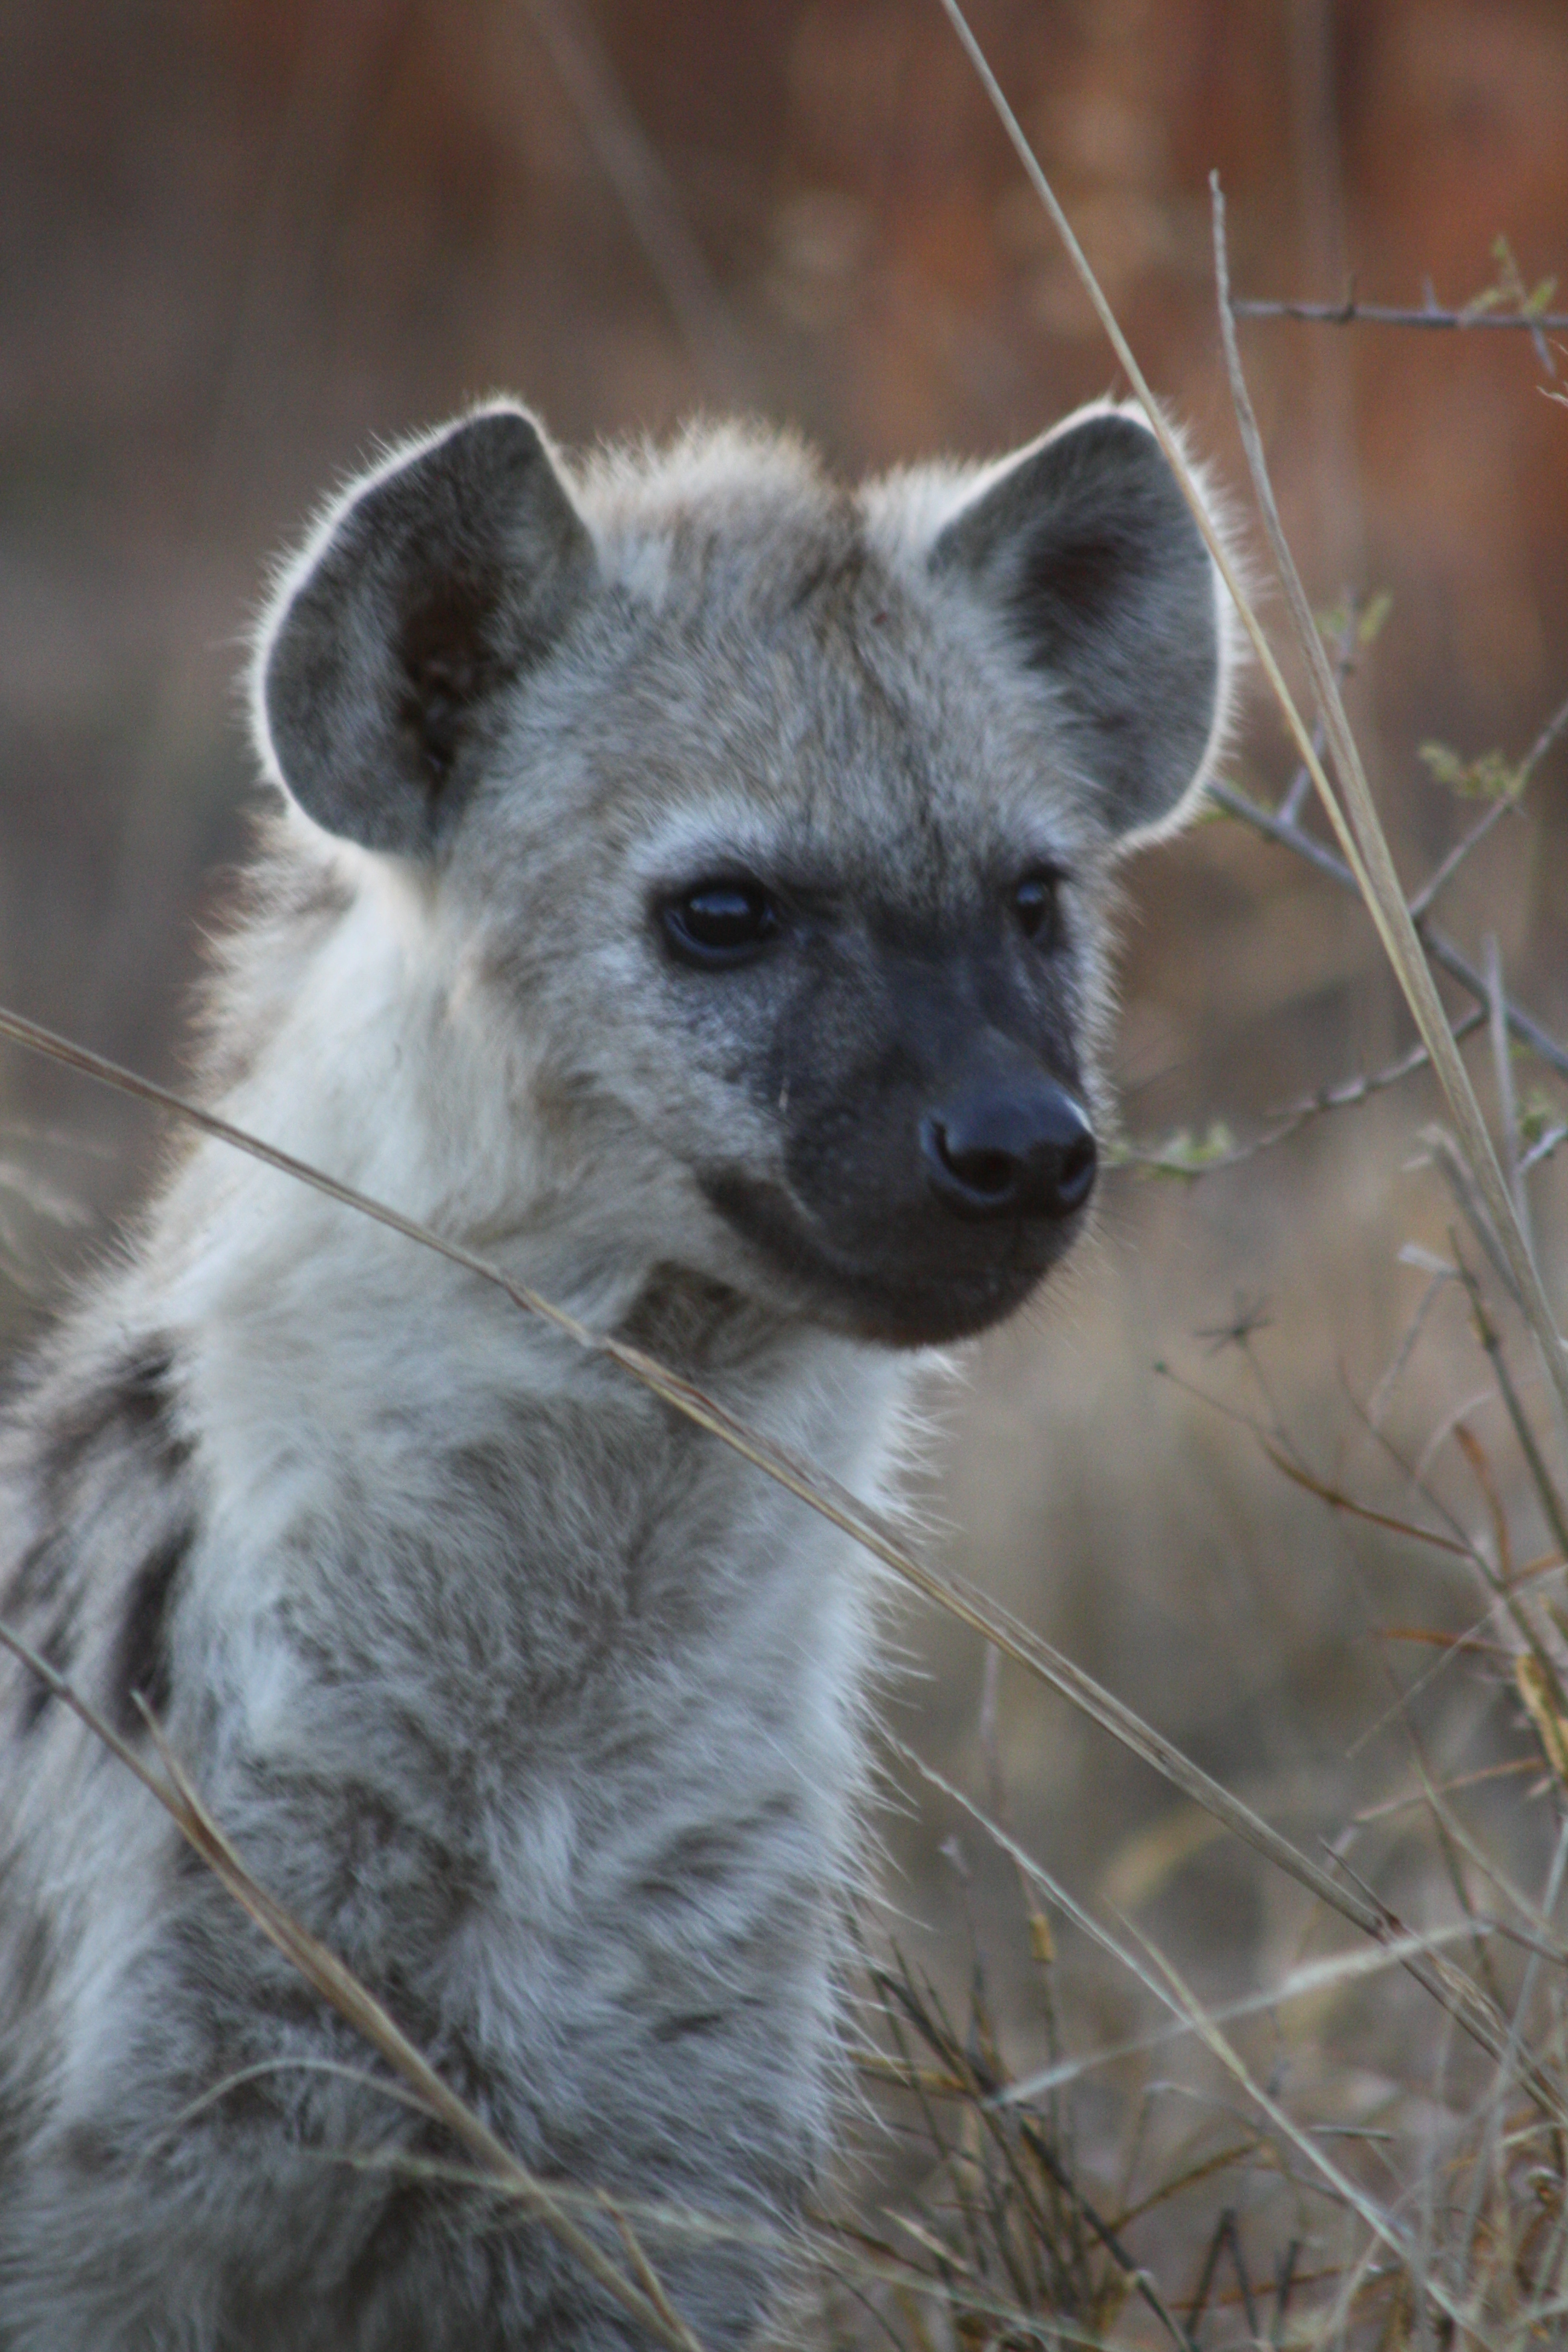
1447,1986
1360,834
1306,1982
1168,1987
642,185
354,2001
974,2061
1185,2003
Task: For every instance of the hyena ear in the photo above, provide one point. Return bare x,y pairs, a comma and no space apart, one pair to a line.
1086,544
424,595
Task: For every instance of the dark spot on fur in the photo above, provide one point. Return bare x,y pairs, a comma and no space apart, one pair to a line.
90,2150
58,1649
33,1966
405,2219
700,2021
141,1654
289,2003
132,1405
708,1854
41,1576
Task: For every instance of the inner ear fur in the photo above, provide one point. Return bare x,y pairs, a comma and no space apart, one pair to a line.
1087,545
433,588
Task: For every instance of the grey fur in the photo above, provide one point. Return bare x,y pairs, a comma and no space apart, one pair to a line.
442,583
543,1709
1088,542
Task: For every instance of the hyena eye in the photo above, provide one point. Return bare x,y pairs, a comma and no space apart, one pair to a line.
1036,903
720,922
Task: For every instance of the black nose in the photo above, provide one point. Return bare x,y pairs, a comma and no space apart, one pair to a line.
1019,1150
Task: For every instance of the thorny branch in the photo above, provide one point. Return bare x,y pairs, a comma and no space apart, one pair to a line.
1352,313
1282,823
1438,946
1170,1160
1507,301
1443,874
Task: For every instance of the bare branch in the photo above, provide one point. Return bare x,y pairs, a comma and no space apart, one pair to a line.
1543,1147
1450,865
1352,313
1356,824
1442,950
1288,1121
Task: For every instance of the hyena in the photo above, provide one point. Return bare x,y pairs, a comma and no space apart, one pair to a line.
686,886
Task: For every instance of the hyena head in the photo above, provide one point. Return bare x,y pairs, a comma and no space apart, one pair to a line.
760,832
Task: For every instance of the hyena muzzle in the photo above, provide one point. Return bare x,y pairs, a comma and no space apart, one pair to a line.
686,886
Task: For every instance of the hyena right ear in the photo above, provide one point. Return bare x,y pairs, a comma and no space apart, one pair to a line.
425,593
1085,546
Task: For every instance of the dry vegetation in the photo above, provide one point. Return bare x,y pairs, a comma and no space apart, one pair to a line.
1253,2028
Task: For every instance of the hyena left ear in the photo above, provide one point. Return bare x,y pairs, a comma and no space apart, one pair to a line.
425,594
1085,545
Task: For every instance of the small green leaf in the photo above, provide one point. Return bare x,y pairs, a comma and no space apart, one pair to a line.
1537,1115
1488,777
1379,605
1351,614
1184,1154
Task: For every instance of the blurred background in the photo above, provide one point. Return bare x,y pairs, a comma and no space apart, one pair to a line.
241,240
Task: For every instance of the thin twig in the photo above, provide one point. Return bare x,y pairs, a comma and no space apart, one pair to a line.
1352,313
1301,784
1543,1146
1294,837
1450,864
1506,803
1288,1121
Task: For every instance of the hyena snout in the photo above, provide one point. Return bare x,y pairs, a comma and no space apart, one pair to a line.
1017,1147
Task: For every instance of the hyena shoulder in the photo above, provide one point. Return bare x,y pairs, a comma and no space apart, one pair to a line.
686,888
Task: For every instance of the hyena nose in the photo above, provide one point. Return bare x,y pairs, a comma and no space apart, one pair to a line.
1025,1149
